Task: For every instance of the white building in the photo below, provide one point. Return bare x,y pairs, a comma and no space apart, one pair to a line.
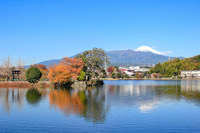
139,69
190,74
132,70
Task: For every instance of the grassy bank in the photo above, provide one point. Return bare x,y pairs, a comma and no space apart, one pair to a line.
48,84
23,84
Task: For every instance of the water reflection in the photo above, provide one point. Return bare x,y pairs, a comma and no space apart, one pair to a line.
9,97
33,96
66,101
88,103
94,104
143,97
147,95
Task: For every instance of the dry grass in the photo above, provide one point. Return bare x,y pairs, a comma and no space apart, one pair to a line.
23,84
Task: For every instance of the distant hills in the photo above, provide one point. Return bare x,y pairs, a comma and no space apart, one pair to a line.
174,67
131,57
143,55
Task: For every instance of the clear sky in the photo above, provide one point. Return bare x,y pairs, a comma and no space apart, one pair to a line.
38,30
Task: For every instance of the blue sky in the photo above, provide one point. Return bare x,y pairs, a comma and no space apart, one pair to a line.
37,30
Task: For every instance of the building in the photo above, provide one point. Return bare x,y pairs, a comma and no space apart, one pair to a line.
133,70
11,74
190,74
140,69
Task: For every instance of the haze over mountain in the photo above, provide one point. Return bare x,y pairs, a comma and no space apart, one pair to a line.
143,55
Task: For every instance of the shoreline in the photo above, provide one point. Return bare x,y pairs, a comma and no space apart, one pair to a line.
47,84
151,79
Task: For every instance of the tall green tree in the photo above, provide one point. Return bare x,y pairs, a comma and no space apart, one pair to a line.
33,75
94,62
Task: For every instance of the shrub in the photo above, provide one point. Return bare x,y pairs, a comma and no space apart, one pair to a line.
125,75
33,75
119,75
81,76
114,75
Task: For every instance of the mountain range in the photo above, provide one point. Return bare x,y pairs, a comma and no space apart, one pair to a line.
143,55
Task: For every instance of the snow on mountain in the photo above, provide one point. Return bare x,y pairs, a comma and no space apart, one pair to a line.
148,49
143,55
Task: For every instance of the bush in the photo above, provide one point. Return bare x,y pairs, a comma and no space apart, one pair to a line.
33,75
125,75
119,75
114,75
81,76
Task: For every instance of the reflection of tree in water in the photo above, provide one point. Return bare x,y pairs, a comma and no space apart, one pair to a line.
10,96
95,106
33,96
87,103
147,97
176,92
173,92
67,102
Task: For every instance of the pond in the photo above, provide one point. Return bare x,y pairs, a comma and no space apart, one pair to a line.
118,106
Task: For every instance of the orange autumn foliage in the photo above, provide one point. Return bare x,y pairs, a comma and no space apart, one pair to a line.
40,66
67,70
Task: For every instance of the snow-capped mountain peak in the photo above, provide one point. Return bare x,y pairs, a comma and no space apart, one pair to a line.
148,49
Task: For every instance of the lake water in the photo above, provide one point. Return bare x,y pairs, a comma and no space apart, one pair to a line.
118,106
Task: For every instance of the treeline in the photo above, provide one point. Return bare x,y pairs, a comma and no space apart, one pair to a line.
174,67
87,66
84,67
7,67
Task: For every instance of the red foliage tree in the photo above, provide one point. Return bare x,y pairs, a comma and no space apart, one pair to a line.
67,70
110,69
40,66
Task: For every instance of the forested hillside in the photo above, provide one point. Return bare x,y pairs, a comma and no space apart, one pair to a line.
175,66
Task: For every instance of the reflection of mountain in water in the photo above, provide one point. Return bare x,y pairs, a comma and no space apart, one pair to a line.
94,104
146,97
128,95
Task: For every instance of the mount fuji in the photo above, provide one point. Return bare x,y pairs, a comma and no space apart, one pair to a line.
143,55
148,49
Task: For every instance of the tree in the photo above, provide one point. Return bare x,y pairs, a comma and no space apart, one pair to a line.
114,75
7,68
43,70
94,62
111,69
33,75
81,76
66,71
174,67
20,67
119,75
